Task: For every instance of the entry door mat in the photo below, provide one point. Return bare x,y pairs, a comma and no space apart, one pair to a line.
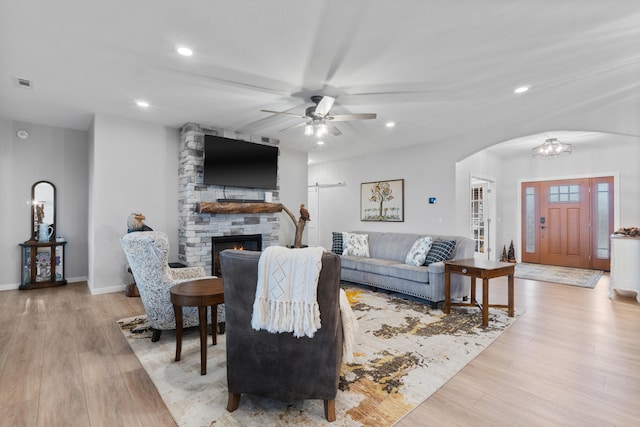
563,275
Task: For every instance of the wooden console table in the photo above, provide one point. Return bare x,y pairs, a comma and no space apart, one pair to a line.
201,293
478,268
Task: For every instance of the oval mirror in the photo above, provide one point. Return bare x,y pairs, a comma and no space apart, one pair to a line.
43,208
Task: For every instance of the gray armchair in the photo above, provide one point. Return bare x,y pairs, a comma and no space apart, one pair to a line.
280,365
147,253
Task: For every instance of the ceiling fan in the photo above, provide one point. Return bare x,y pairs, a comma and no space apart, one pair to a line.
317,118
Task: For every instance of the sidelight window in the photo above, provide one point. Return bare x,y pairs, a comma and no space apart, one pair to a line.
477,218
602,220
530,220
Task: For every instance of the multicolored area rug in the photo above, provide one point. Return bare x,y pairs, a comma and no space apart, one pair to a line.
563,275
404,352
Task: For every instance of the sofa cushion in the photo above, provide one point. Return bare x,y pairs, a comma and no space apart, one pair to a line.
356,244
350,262
389,245
441,250
418,252
410,272
337,245
375,265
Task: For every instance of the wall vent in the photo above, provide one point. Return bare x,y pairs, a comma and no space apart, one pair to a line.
25,83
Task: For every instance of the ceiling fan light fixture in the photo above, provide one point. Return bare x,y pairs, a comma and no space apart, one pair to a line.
321,130
308,129
318,120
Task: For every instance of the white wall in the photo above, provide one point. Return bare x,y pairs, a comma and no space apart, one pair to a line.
292,170
428,171
101,176
53,154
487,166
134,168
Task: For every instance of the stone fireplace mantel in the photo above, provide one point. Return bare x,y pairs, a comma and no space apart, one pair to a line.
254,208
231,207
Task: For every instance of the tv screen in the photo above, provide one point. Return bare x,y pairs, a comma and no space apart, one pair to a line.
235,163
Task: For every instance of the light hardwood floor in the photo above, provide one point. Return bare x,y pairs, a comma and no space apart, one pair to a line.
573,358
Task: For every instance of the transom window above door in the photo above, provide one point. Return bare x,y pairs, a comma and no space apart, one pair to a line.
564,193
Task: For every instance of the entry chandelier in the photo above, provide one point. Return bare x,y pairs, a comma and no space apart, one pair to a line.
552,147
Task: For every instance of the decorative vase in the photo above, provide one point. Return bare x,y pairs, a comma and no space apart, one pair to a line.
45,232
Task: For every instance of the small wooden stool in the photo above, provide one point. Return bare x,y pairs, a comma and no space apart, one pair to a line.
201,293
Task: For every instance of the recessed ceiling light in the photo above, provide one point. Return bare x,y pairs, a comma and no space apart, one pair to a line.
521,89
22,134
320,142
142,103
184,51
390,124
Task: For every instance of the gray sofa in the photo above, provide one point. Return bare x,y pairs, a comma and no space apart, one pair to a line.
386,267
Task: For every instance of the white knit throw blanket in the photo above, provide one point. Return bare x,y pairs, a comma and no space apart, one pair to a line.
286,298
349,328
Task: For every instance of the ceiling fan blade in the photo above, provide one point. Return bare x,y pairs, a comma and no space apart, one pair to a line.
324,106
349,117
333,130
283,112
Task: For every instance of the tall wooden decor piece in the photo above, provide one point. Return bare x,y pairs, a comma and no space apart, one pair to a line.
512,253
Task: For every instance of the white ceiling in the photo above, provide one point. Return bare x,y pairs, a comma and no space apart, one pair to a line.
439,69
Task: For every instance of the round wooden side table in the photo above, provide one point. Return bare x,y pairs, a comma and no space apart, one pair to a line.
201,293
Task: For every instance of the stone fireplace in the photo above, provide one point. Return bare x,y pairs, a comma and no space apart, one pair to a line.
245,242
196,230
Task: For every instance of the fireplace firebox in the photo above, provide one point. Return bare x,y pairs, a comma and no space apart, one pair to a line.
247,242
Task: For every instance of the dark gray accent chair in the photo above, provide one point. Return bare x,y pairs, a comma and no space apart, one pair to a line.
279,365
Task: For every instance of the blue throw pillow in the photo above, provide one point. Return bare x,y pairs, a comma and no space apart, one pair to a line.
441,250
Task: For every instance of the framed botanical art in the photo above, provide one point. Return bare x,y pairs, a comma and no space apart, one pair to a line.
382,201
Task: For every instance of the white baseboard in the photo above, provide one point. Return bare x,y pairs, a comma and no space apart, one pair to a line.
14,286
9,287
108,290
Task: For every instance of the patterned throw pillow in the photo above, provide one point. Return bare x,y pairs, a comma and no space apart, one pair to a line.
418,252
356,244
337,246
441,250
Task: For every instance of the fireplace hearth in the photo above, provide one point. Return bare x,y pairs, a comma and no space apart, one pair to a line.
247,242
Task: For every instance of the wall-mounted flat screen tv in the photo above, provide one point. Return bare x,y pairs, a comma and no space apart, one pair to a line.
235,163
